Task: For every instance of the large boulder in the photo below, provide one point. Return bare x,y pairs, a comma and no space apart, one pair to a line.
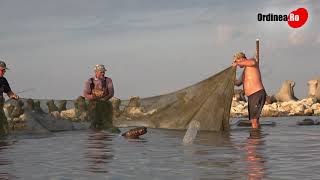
18,109
62,105
116,102
314,89
51,106
29,106
286,92
37,107
81,109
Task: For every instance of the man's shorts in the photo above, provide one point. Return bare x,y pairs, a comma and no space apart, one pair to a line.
255,103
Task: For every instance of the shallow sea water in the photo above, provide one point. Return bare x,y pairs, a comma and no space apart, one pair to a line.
286,151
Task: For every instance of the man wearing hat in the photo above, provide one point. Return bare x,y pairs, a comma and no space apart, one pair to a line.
4,88
98,90
252,86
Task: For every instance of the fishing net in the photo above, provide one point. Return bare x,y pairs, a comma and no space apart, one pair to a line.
207,102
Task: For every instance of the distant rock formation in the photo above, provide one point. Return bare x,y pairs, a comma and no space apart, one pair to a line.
29,105
314,89
62,105
116,106
18,110
51,106
81,109
286,92
37,107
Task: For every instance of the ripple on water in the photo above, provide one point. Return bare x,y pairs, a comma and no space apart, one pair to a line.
285,151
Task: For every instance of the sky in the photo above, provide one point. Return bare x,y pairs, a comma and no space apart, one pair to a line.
151,47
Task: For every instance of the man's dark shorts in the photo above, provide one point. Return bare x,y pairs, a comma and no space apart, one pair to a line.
255,103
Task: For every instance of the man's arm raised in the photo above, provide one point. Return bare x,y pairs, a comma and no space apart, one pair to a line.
246,62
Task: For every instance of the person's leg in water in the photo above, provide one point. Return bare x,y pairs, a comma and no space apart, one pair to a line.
255,105
255,123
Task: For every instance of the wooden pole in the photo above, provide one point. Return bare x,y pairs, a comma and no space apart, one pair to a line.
257,50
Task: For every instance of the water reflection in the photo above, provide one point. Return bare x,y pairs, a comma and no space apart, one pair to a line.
254,157
213,138
99,151
213,154
4,161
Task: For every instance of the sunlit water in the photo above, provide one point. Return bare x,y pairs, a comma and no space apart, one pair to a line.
285,151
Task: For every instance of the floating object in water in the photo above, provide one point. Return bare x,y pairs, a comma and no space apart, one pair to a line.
247,123
308,122
191,133
135,133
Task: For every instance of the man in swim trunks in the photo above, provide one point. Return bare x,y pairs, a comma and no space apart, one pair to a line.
252,86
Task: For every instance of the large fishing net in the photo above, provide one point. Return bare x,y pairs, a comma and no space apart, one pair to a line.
207,102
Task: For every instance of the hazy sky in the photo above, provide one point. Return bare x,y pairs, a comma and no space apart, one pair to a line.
151,47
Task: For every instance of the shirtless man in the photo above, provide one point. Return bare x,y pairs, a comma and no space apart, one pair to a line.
252,86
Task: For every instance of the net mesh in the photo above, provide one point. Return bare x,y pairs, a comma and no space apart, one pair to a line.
207,102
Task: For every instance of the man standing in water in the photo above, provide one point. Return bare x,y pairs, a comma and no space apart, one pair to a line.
4,88
252,86
98,90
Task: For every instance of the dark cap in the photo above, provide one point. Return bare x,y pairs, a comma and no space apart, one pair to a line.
3,65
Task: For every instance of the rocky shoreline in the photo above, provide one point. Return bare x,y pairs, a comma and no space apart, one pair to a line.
304,107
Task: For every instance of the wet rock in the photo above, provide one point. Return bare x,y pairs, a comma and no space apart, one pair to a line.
37,107
51,106
62,105
18,110
80,106
116,106
247,123
308,122
55,114
29,105
45,122
8,108
69,114
134,101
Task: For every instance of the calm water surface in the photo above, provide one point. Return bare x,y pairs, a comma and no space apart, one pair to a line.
285,151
